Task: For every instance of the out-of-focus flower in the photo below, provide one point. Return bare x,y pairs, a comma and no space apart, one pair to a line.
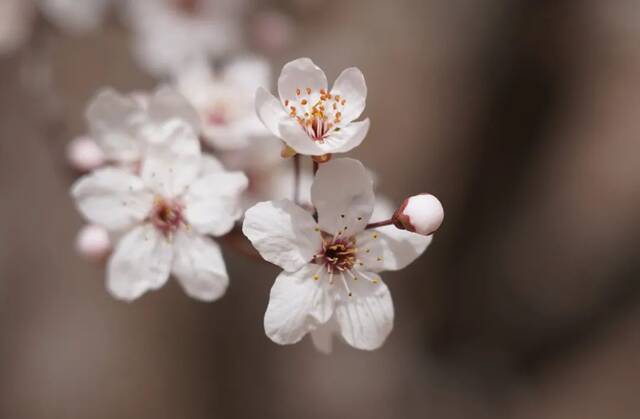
271,30
308,117
84,154
123,126
225,101
171,33
16,18
93,242
330,280
422,214
164,215
73,15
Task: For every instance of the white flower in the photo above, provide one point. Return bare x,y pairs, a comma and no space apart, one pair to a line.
123,126
74,15
330,281
309,118
169,34
165,215
225,101
16,18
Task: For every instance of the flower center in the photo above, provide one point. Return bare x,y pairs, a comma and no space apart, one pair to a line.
337,255
318,113
167,216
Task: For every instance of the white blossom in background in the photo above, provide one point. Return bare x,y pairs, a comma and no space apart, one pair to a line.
16,19
164,216
308,117
122,126
168,34
75,16
331,283
225,100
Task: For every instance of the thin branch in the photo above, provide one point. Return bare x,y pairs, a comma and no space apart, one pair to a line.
296,179
380,223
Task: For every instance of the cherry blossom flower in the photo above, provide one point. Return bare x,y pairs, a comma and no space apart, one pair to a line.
16,18
225,101
331,283
171,33
309,118
123,126
73,15
164,216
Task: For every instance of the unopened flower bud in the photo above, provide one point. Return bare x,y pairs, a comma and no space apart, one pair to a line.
84,154
422,214
93,243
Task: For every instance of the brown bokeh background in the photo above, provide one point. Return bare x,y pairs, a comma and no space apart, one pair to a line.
522,116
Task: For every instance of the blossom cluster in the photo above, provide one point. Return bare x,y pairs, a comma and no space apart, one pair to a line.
166,172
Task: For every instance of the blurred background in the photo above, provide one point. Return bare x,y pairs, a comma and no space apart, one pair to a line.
522,117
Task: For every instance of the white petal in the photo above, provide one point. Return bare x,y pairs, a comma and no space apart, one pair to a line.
366,319
173,159
390,248
73,15
212,203
297,138
297,305
283,233
209,164
113,121
270,111
141,262
322,337
300,74
349,137
199,267
112,198
249,72
350,85
343,195
166,104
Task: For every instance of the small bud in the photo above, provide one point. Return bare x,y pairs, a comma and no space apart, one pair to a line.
84,154
287,152
93,243
422,214
321,159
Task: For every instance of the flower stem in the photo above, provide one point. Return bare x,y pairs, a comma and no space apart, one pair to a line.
316,166
296,179
380,223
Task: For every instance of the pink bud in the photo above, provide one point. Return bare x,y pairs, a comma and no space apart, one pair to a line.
93,243
84,154
422,214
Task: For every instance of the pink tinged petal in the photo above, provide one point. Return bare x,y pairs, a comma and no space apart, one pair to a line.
141,262
283,233
300,74
199,267
322,337
173,159
366,319
113,121
343,195
84,154
167,104
349,137
389,248
112,198
93,242
298,304
213,202
270,111
350,85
